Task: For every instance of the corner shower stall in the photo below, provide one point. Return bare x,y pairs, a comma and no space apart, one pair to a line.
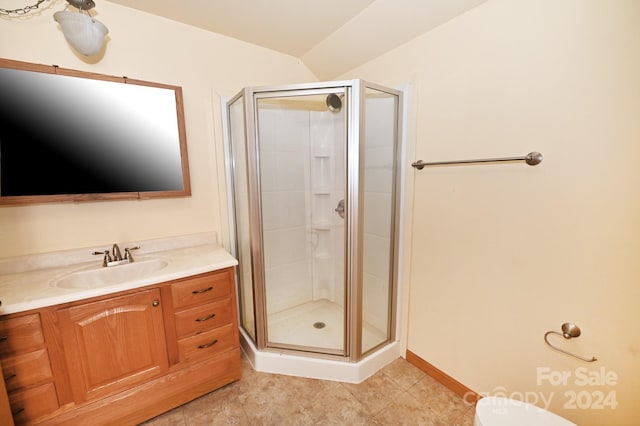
315,210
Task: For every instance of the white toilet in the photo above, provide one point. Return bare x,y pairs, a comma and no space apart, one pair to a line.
496,411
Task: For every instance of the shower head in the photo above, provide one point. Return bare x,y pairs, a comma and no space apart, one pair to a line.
334,102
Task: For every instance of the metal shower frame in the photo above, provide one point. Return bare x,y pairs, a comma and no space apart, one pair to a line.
354,102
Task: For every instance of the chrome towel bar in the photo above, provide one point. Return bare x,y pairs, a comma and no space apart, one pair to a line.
569,330
532,159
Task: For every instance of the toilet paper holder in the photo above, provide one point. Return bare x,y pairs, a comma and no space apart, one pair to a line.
569,330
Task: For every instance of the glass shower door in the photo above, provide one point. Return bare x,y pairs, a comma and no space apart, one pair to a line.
378,188
301,140
242,228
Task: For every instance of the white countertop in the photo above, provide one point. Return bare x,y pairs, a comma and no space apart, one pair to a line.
29,282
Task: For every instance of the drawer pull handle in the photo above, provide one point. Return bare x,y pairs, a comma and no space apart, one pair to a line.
18,411
9,377
4,338
206,345
204,290
207,318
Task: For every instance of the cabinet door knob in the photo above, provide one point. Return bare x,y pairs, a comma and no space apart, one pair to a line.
155,303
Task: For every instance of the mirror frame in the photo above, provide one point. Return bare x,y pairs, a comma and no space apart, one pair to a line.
54,69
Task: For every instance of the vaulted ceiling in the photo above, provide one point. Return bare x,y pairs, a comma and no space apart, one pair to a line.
329,36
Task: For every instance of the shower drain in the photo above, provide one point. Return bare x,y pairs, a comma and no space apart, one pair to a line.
319,324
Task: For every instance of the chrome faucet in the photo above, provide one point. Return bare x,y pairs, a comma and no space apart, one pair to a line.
115,250
117,258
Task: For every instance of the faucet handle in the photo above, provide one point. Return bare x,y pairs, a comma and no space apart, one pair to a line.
107,256
127,253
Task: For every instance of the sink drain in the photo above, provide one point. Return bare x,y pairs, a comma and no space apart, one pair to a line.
319,324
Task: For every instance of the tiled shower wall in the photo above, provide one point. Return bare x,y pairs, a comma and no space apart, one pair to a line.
284,172
302,160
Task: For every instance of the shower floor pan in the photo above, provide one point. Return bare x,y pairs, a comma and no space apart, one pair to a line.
299,321
301,325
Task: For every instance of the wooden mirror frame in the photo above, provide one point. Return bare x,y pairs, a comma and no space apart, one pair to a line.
54,69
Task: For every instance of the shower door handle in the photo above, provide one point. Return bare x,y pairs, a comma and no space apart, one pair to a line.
340,209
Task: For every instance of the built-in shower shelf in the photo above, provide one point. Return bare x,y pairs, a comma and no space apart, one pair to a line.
321,150
321,192
321,227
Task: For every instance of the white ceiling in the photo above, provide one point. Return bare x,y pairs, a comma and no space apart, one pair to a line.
329,36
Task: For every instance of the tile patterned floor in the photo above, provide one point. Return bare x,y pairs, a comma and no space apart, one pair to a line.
399,394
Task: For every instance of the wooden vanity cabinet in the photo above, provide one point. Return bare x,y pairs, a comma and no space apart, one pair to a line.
26,368
125,357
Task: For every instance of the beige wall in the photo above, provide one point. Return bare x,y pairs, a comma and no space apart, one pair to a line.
503,253
143,47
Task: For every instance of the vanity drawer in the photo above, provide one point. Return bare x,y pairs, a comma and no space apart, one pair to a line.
20,334
201,289
27,369
207,343
30,404
203,317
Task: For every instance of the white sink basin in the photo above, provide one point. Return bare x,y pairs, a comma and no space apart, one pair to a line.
102,277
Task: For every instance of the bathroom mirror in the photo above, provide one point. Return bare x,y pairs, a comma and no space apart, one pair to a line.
68,135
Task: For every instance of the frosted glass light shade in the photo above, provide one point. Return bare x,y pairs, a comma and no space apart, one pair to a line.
84,34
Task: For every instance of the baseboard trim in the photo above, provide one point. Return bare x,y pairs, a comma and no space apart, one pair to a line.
452,384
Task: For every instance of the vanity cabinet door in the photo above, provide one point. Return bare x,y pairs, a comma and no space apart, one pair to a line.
113,344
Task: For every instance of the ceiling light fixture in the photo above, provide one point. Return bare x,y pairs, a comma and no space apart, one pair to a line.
84,33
